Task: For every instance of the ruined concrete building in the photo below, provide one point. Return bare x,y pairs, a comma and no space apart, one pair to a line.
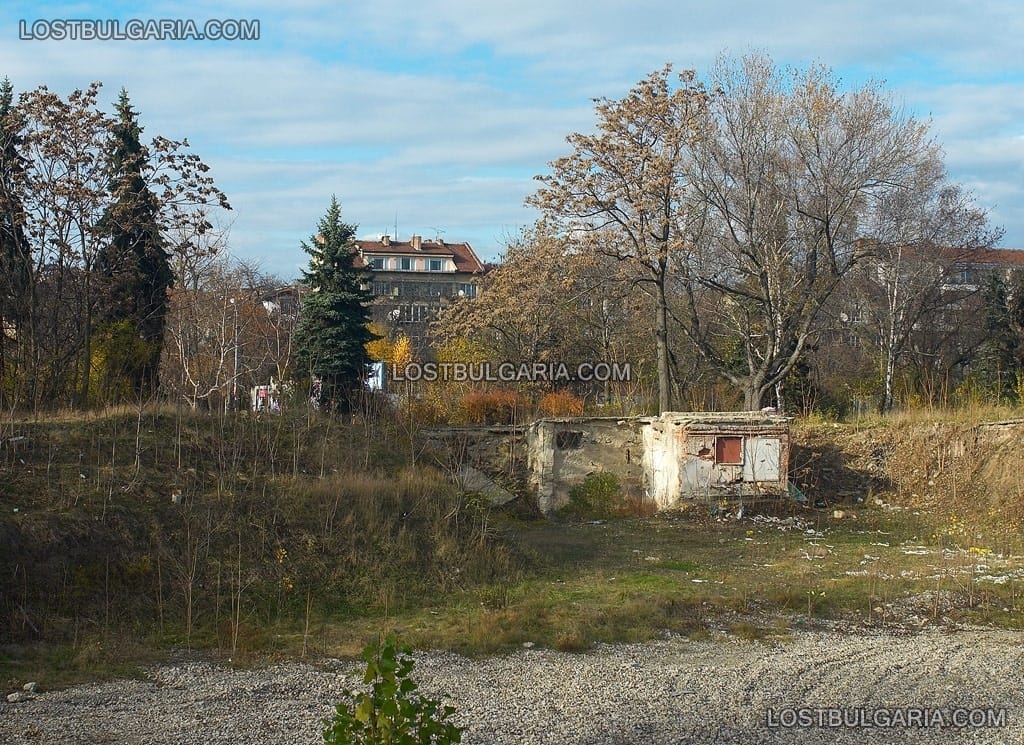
665,460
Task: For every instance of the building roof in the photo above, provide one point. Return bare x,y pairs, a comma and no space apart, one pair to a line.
463,255
767,416
1007,257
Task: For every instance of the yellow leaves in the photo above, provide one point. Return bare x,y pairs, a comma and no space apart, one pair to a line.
379,349
401,352
395,350
461,350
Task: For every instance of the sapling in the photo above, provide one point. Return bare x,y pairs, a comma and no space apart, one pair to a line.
391,712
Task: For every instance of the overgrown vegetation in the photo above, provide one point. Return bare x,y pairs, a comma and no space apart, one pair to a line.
238,534
599,496
136,532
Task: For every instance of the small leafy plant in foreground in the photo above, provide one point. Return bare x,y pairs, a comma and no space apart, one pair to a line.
391,712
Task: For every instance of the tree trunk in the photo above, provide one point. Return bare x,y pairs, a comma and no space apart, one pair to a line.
661,347
753,395
890,373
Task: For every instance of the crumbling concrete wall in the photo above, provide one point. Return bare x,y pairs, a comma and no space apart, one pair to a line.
563,452
467,453
661,461
714,456
668,459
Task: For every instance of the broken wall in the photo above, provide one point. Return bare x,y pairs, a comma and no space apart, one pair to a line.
686,458
660,461
563,452
664,460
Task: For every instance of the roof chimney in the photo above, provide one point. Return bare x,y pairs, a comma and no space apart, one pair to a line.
417,243
385,240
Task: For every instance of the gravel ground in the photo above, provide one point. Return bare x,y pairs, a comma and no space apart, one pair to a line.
669,691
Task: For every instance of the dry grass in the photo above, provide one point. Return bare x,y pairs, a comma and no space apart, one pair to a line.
299,536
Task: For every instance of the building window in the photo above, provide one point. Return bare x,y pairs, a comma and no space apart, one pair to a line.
435,265
467,290
415,313
568,439
729,451
377,263
405,264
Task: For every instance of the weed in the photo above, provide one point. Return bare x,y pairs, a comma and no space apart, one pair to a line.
747,630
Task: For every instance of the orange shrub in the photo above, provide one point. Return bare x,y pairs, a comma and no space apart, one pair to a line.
496,406
561,403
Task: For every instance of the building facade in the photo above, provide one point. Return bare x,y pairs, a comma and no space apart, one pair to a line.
413,280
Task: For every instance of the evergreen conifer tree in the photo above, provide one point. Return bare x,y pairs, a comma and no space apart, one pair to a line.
332,331
134,263
15,252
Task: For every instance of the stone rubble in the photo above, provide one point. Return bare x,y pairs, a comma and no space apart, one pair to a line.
724,690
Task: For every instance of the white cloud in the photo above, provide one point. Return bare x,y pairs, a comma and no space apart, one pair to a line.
442,110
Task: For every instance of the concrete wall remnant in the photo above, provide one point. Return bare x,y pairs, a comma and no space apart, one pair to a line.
665,460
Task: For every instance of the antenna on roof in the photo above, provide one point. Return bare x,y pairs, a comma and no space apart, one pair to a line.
396,225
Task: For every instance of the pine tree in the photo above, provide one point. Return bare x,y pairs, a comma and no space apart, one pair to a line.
999,357
134,263
15,252
333,326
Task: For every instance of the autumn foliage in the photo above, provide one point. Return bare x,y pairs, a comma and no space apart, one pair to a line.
561,403
497,406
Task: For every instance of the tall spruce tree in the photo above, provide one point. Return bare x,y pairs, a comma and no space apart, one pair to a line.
134,264
332,331
15,252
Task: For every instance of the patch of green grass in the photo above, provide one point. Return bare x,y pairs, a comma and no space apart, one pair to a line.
679,565
91,658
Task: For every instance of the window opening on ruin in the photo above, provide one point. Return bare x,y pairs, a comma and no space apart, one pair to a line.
729,450
567,439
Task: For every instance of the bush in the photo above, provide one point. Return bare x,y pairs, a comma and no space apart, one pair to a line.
391,713
497,406
561,403
599,496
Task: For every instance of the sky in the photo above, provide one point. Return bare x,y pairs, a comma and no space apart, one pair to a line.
435,116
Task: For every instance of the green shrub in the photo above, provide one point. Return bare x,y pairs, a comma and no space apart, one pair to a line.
392,712
599,496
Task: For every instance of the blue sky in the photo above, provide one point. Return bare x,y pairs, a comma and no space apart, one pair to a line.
438,113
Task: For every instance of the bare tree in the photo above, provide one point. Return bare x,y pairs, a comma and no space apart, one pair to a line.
216,337
63,144
923,235
548,301
625,191
791,170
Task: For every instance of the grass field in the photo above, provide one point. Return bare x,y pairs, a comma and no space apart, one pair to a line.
632,579
299,537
